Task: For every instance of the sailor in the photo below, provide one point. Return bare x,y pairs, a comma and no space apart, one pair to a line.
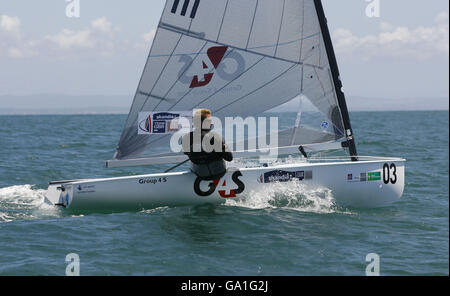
206,165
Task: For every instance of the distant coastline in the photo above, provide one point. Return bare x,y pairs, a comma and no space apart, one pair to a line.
120,104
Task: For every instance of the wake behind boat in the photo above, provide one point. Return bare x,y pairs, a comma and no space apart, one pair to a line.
239,59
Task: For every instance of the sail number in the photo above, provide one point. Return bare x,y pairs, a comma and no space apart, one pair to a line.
389,173
184,8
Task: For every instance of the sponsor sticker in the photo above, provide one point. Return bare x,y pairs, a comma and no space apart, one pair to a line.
163,122
284,176
364,177
159,127
85,189
374,176
352,177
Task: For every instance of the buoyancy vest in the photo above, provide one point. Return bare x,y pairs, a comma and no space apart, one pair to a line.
207,165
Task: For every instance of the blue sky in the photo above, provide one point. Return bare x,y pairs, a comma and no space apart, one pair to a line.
400,55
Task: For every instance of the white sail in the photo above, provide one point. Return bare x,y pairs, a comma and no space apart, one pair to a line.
237,58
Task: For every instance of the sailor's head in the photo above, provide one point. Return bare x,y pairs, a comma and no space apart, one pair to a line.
203,120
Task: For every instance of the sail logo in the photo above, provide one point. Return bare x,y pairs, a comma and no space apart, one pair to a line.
162,122
185,7
220,61
215,55
148,124
221,186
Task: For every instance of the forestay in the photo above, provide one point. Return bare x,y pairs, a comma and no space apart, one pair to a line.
237,58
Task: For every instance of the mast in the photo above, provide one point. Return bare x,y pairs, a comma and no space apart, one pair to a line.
337,81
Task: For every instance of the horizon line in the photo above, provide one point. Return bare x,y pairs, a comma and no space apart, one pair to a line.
126,113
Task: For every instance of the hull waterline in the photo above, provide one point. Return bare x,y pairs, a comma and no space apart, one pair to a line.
362,184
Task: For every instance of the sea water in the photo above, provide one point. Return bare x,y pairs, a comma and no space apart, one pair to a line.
284,230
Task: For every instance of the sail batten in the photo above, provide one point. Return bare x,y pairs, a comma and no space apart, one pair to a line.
182,73
250,49
238,58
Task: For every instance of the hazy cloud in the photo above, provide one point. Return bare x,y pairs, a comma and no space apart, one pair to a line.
146,41
67,39
148,37
11,42
442,17
99,38
399,42
102,24
9,23
23,50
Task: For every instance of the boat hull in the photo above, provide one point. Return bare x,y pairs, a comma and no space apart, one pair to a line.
362,184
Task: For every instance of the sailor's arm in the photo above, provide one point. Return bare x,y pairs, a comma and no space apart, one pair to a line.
226,152
186,144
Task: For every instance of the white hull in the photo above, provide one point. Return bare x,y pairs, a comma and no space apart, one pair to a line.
364,184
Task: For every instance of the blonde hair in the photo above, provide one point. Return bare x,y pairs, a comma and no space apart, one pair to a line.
203,114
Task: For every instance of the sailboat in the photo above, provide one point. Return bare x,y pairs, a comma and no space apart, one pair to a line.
238,58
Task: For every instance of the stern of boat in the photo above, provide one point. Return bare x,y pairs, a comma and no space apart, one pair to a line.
370,182
59,193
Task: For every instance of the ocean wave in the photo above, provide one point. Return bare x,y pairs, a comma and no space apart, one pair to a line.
24,202
291,195
4,217
21,195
